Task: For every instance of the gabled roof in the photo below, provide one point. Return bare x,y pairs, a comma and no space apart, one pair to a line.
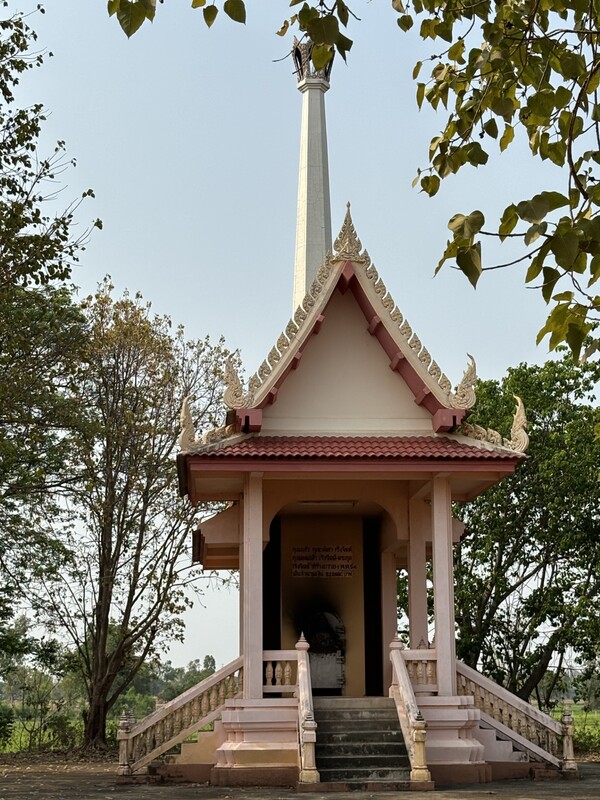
350,269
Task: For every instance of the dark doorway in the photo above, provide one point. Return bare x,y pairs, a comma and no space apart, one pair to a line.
372,604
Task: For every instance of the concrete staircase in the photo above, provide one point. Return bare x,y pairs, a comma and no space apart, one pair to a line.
360,744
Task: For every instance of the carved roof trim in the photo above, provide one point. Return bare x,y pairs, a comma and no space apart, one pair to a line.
348,248
519,440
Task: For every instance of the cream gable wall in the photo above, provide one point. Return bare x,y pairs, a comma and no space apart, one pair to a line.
344,385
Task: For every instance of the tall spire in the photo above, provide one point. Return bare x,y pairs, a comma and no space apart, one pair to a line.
313,220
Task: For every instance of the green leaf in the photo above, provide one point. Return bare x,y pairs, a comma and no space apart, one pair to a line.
491,128
557,152
534,232
405,22
342,12
198,3
398,6
565,248
550,276
416,70
420,94
321,55
594,270
342,45
235,10
476,155
508,222
533,210
456,51
554,200
575,336
323,30
430,184
210,15
113,7
131,16
469,262
507,137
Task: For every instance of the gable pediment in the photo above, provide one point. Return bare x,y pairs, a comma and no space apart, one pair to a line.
350,271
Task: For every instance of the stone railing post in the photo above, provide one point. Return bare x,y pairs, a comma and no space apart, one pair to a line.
569,762
125,725
307,727
419,771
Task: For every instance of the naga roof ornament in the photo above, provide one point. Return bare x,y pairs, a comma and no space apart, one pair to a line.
519,440
187,437
234,395
187,440
464,397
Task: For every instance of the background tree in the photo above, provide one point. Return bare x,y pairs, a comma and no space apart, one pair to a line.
121,594
41,333
528,568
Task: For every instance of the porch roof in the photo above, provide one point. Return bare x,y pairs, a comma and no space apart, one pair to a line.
372,447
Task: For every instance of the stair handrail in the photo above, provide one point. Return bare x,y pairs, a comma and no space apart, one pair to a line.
414,727
517,720
307,726
141,742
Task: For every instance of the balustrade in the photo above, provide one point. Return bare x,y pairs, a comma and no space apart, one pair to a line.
140,743
280,671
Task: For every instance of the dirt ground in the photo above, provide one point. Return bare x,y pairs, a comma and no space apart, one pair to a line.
72,778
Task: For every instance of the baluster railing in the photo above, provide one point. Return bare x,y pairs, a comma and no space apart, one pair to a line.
414,727
142,742
421,666
279,671
307,727
515,719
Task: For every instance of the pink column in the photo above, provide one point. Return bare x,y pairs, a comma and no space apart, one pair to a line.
443,586
389,612
252,612
420,526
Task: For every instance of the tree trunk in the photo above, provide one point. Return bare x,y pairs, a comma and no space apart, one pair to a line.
94,737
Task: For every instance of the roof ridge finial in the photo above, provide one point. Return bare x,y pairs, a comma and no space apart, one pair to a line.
301,53
347,246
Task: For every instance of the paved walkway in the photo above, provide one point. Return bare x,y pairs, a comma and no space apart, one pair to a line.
98,784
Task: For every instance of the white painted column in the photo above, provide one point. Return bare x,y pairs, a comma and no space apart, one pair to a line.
419,527
313,220
443,586
252,564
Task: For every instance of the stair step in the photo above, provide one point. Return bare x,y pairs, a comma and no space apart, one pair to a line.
356,776
359,736
360,743
357,714
363,725
371,762
328,749
361,786
352,702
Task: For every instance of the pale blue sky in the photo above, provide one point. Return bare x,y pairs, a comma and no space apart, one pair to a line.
190,139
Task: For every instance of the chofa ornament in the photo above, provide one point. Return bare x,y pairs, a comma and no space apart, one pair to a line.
234,395
465,391
519,440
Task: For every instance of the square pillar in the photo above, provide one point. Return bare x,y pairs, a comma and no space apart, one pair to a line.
443,586
389,612
419,526
252,565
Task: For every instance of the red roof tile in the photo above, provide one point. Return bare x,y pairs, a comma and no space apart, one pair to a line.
346,447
